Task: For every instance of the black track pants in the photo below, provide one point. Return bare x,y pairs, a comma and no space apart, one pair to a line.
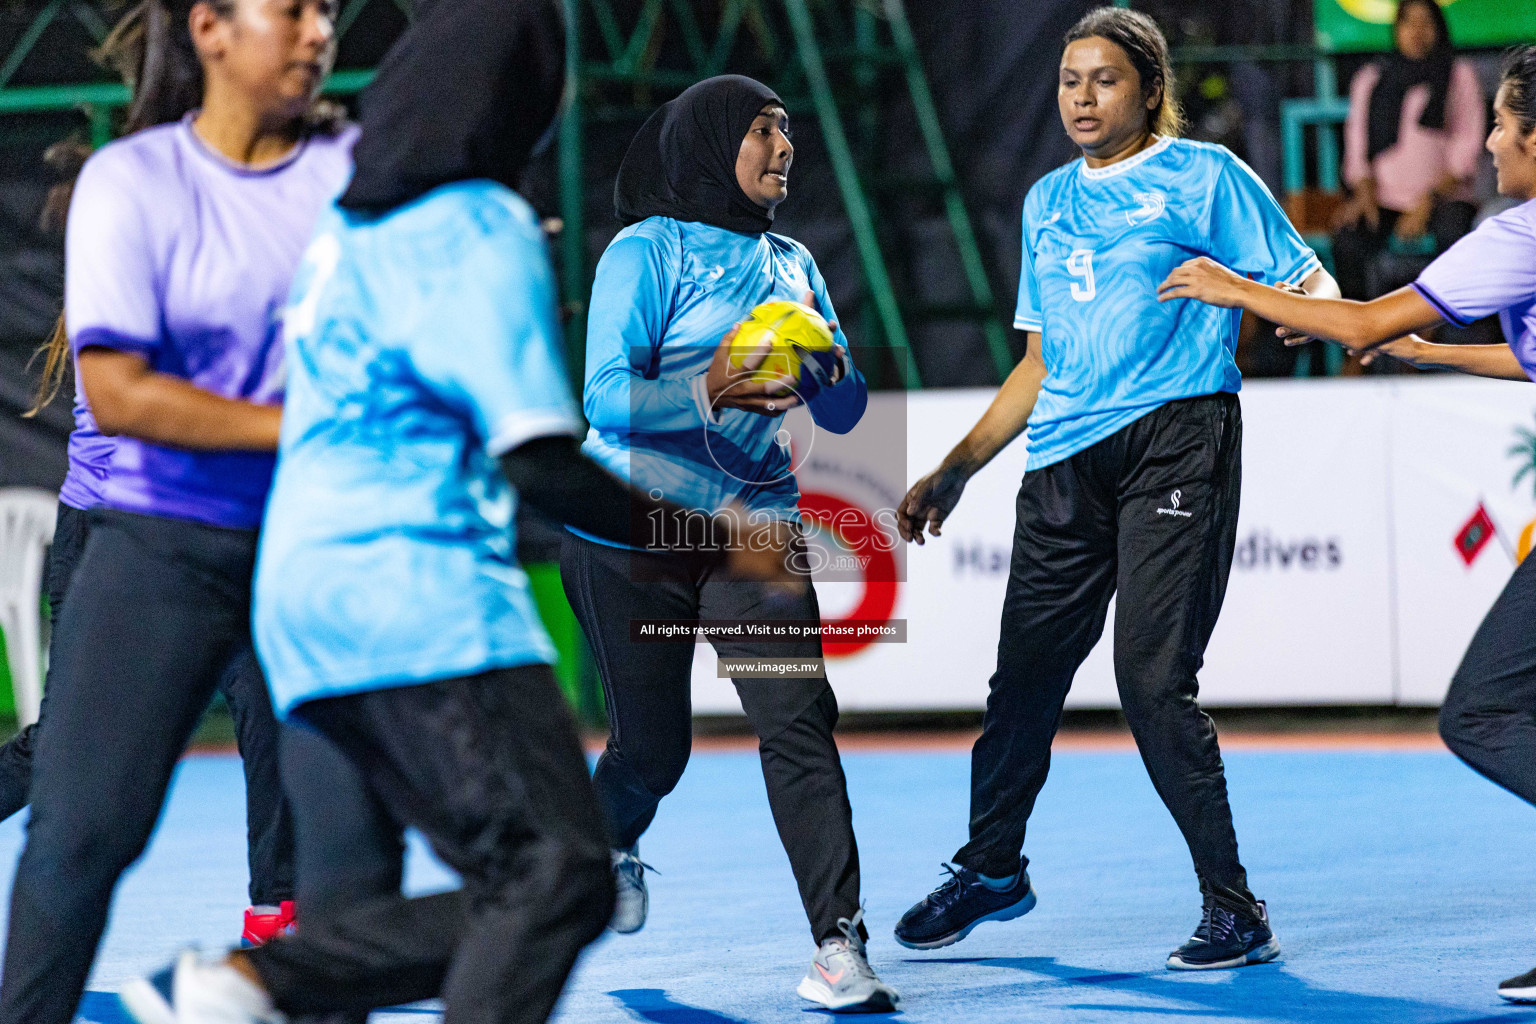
69,532
1489,716
269,829
157,610
490,769
349,850
648,690
1149,513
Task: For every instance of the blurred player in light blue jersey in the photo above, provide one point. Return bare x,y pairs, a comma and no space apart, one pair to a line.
1489,715
697,190
1132,483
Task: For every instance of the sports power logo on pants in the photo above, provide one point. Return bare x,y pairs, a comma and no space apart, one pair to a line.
1173,500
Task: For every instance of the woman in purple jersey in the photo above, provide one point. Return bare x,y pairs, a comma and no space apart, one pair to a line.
1489,715
269,826
180,244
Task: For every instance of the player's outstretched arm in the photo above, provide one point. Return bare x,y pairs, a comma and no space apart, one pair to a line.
934,497
552,475
1355,325
1495,361
1319,283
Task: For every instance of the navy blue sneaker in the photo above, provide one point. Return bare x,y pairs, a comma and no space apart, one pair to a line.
948,914
1226,938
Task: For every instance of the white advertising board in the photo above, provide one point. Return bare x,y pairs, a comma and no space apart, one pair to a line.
1348,584
1456,445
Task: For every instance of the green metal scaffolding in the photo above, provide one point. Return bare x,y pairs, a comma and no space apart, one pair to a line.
623,61
101,100
835,60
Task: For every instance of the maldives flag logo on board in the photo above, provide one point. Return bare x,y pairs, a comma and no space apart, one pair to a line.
1474,535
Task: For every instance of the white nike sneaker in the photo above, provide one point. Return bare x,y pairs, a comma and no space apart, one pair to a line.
841,979
190,992
632,901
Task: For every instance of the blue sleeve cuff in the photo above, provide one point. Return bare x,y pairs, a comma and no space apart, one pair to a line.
105,337
1441,306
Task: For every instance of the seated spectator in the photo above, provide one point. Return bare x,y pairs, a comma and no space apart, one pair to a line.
1412,142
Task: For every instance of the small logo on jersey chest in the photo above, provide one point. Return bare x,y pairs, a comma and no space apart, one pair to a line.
1151,208
790,273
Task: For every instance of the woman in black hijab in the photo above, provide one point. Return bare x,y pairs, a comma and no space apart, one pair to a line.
1412,143
697,192
397,630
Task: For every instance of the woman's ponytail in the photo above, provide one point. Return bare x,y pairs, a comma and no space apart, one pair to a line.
151,48
65,159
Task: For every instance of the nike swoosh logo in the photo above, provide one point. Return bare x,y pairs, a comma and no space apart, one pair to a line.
832,979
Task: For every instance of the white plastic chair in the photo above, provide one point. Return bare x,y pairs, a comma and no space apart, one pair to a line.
26,529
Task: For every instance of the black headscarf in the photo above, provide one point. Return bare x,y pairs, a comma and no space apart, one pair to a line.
682,164
1398,75
467,92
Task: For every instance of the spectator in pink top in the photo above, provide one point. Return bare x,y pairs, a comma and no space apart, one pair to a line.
1412,141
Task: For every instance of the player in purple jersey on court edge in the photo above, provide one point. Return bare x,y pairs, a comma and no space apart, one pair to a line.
180,246
1489,715
269,825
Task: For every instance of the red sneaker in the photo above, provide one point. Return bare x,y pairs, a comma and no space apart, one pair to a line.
262,928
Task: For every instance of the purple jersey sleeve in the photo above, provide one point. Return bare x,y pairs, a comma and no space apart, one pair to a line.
1486,272
110,295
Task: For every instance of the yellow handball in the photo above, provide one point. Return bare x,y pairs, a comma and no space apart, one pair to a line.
798,336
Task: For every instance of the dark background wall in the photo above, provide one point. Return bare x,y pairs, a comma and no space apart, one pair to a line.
992,67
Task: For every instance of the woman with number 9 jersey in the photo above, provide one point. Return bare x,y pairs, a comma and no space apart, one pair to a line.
1132,480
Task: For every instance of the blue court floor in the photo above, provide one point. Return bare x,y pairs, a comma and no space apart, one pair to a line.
1401,886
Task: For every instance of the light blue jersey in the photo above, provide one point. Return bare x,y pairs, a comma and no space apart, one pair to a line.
421,345
666,292
1097,243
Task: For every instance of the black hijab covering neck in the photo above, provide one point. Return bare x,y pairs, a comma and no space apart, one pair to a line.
682,164
1398,75
467,92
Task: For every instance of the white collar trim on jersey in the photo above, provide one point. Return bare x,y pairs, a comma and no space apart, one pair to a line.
1128,163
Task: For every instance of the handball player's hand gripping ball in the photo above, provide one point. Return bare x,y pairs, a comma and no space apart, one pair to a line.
792,337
